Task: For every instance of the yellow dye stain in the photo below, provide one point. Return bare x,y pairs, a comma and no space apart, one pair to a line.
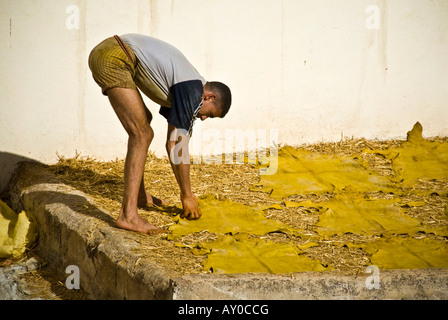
240,254
302,172
408,253
350,212
225,216
16,232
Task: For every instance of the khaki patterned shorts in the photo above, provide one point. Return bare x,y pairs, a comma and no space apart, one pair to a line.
111,67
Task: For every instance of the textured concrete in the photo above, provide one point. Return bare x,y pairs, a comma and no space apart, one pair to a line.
393,284
109,268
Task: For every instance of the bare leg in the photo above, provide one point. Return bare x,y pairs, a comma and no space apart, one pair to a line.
145,199
131,111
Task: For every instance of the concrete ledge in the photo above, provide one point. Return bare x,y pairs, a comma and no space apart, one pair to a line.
108,268
111,270
394,284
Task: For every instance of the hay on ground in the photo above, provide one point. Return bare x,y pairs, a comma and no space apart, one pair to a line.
103,182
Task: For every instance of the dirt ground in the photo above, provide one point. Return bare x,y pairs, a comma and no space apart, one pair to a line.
103,181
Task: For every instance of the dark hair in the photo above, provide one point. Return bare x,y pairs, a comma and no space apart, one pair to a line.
224,95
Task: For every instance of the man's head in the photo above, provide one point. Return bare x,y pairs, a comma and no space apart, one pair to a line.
216,100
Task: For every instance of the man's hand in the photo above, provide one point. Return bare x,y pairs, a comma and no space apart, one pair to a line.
191,208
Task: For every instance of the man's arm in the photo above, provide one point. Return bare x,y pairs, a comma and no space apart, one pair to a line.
181,168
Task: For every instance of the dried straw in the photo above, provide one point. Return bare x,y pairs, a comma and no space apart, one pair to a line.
103,181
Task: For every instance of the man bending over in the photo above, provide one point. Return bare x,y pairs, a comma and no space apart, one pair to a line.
122,64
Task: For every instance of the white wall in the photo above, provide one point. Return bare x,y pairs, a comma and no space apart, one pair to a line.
310,69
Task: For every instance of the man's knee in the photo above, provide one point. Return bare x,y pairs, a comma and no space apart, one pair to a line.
143,133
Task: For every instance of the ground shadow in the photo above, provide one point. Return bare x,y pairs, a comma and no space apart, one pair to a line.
166,210
8,165
102,181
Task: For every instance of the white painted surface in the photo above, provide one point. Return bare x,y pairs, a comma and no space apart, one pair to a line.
311,69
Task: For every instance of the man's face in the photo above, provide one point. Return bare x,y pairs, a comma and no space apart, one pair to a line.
209,108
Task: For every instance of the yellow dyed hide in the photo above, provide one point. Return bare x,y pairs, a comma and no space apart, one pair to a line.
396,253
352,209
302,172
16,232
350,212
225,216
243,255
418,158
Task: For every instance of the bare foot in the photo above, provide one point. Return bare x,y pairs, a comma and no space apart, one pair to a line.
148,200
138,224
